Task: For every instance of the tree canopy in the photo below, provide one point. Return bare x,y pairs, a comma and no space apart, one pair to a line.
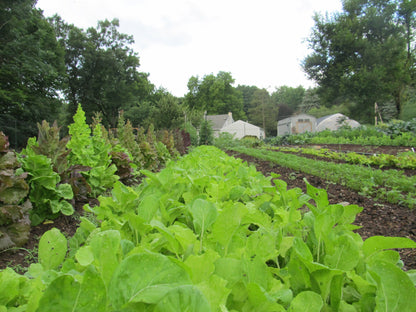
215,94
364,54
102,70
31,69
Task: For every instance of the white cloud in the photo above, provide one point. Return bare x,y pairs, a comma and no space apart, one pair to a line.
261,43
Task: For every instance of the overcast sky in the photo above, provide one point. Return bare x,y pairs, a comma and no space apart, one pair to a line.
261,43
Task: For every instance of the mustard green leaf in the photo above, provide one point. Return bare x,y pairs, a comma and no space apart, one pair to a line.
52,249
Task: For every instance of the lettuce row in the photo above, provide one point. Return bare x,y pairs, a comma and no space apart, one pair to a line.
210,233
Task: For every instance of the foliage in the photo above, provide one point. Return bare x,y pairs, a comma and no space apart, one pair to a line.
363,55
31,72
210,233
289,96
215,94
52,146
14,207
397,128
396,133
226,141
91,151
263,111
47,194
405,160
102,70
206,135
368,181
193,133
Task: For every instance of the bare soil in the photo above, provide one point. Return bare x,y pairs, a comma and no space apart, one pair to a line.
377,218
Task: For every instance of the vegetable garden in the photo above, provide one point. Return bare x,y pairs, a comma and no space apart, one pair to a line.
208,232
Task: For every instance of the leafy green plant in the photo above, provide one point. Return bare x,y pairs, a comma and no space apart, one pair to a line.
91,152
210,233
365,180
14,207
52,146
47,194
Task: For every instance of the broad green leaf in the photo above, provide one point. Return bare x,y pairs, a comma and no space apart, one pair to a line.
148,206
395,290
106,249
302,249
346,256
306,301
229,269
215,290
84,255
236,192
260,301
172,242
9,286
184,235
204,214
227,223
320,197
145,277
257,272
66,294
65,191
327,281
202,266
52,249
376,243
66,208
183,298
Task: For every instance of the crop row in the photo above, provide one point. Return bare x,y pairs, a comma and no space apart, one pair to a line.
210,233
405,160
390,185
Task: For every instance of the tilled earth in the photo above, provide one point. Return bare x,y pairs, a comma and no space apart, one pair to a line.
377,218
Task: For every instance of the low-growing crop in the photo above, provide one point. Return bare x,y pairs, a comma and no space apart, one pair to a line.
210,233
48,196
365,180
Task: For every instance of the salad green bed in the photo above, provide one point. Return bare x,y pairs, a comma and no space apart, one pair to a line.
390,185
210,233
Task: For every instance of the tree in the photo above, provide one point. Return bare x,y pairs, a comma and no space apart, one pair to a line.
263,112
31,70
290,96
102,70
247,93
206,136
361,55
215,94
310,100
288,100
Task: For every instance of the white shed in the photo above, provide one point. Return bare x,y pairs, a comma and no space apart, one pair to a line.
240,129
218,122
334,122
296,124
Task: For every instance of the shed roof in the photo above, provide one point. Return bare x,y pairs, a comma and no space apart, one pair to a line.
218,121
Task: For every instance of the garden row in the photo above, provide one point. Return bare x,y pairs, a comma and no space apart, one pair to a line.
45,179
386,185
210,233
403,160
395,133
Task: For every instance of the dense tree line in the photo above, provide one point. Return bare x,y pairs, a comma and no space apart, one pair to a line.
48,67
362,55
